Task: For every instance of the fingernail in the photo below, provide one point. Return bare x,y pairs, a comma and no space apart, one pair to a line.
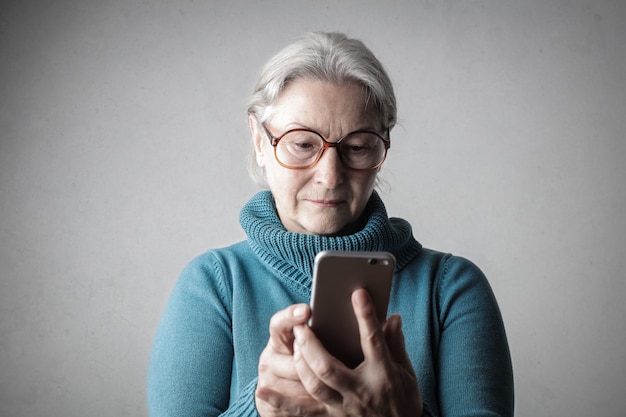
299,311
360,298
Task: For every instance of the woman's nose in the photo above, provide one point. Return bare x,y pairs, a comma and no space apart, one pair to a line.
330,171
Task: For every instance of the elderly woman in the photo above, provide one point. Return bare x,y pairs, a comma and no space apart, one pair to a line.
233,339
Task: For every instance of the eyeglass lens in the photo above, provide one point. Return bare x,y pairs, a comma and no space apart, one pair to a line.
358,150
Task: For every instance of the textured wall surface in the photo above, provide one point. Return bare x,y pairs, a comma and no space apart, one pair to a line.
123,149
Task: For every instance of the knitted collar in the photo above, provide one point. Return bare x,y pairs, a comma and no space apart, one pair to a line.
292,255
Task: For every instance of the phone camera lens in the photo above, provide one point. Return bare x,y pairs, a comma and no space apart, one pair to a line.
372,261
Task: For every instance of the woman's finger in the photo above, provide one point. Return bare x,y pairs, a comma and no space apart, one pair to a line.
282,324
370,330
277,365
394,336
277,402
321,374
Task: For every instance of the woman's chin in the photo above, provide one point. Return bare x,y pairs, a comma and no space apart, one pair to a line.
335,229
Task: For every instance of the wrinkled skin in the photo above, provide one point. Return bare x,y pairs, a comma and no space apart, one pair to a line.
298,377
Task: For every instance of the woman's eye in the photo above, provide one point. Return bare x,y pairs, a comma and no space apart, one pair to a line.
303,145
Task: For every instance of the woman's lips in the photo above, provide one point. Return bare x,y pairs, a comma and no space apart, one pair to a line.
327,203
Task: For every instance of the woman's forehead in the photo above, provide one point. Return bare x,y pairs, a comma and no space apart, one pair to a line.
310,101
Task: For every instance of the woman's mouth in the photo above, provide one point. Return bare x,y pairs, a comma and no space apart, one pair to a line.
327,203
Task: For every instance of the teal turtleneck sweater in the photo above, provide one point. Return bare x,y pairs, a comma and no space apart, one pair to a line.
205,354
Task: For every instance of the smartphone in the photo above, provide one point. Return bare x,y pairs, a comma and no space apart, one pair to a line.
336,275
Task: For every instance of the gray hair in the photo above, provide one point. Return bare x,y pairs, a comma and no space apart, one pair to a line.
325,56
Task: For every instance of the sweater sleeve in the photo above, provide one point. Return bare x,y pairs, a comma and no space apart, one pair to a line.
475,371
191,363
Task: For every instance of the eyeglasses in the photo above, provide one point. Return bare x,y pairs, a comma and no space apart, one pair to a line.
361,150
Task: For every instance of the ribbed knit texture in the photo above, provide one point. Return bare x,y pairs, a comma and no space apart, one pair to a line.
292,255
204,360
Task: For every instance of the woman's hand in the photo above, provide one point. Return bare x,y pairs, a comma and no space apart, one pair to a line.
279,391
383,385
298,377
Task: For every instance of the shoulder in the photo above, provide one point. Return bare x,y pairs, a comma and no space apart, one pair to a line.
451,277
460,286
446,266
214,269
215,260
442,265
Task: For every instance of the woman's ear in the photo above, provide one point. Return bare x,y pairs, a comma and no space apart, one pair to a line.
257,138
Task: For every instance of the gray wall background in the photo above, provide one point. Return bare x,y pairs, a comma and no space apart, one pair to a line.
123,151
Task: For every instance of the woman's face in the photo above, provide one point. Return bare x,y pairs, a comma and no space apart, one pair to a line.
328,198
